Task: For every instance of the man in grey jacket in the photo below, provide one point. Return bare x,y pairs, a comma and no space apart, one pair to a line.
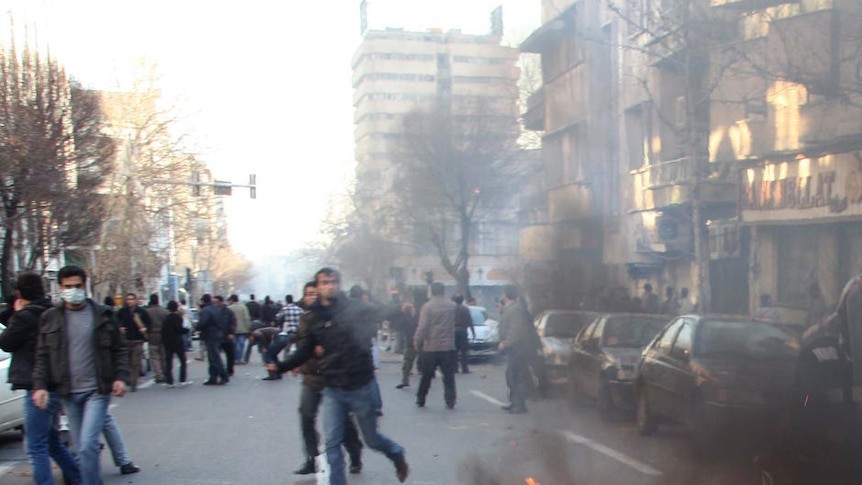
435,336
243,327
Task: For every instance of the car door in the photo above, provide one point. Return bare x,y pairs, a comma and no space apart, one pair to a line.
679,376
655,368
580,355
11,406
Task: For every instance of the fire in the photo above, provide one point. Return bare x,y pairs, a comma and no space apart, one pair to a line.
531,481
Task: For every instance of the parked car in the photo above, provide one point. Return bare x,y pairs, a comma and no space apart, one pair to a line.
557,329
487,338
11,404
712,373
605,355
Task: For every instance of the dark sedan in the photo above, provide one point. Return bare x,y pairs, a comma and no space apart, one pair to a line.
605,355
716,373
557,329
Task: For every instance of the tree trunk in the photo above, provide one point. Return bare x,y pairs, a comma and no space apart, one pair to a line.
701,255
6,255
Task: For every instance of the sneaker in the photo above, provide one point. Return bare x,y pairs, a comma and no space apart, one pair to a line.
272,377
307,469
170,386
211,383
185,383
402,385
401,468
129,468
355,467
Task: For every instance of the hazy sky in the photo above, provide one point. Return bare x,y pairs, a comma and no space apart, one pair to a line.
265,86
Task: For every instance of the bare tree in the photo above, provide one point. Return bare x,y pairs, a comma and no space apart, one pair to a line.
53,157
453,171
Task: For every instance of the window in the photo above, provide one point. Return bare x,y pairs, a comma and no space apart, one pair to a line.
665,343
682,347
588,331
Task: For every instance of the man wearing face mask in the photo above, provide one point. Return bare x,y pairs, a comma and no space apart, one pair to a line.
81,355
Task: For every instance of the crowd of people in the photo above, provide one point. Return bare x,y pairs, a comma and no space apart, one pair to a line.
72,357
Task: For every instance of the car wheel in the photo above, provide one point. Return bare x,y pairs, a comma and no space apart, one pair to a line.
604,401
645,420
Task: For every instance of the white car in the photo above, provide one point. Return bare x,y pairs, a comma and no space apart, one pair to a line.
11,402
487,334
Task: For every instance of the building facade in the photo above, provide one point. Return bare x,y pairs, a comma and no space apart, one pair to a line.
703,144
396,73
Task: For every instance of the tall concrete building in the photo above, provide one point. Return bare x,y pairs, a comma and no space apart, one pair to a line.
397,72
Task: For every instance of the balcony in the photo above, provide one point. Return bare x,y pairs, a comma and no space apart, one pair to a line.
830,122
572,202
745,5
667,184
534,117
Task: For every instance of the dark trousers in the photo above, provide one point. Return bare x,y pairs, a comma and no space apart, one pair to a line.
229,350
309,405
463,349
170,352
519,379
216,367
407,364
428,363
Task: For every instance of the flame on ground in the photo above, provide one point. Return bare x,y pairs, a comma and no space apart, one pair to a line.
530,481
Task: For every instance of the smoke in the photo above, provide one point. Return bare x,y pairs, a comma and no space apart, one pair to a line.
546,447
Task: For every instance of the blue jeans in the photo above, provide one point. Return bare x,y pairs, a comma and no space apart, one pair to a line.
337,404
115,441
278,344
87,412
239,345
43,441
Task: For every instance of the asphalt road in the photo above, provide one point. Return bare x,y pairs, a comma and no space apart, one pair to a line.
248,433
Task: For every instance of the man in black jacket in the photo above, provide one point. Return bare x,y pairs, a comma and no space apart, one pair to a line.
135,324
227,322
212,334
339,332
312,396
19,339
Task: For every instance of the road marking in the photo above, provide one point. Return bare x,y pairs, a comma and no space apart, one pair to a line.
486,397
4,469
611,453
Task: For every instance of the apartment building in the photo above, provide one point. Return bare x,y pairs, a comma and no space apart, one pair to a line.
397,72
792,124
707,144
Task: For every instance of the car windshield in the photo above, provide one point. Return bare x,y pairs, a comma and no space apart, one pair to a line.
743,339
565,325
631,331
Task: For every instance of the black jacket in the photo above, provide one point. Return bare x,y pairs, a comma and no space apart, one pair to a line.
268,313
173,330
208,323
125,316
227,320
344,330
19,339
52,361
253,309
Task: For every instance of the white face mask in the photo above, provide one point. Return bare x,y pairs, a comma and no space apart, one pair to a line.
74,296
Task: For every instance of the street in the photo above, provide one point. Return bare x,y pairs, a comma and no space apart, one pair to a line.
248,433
